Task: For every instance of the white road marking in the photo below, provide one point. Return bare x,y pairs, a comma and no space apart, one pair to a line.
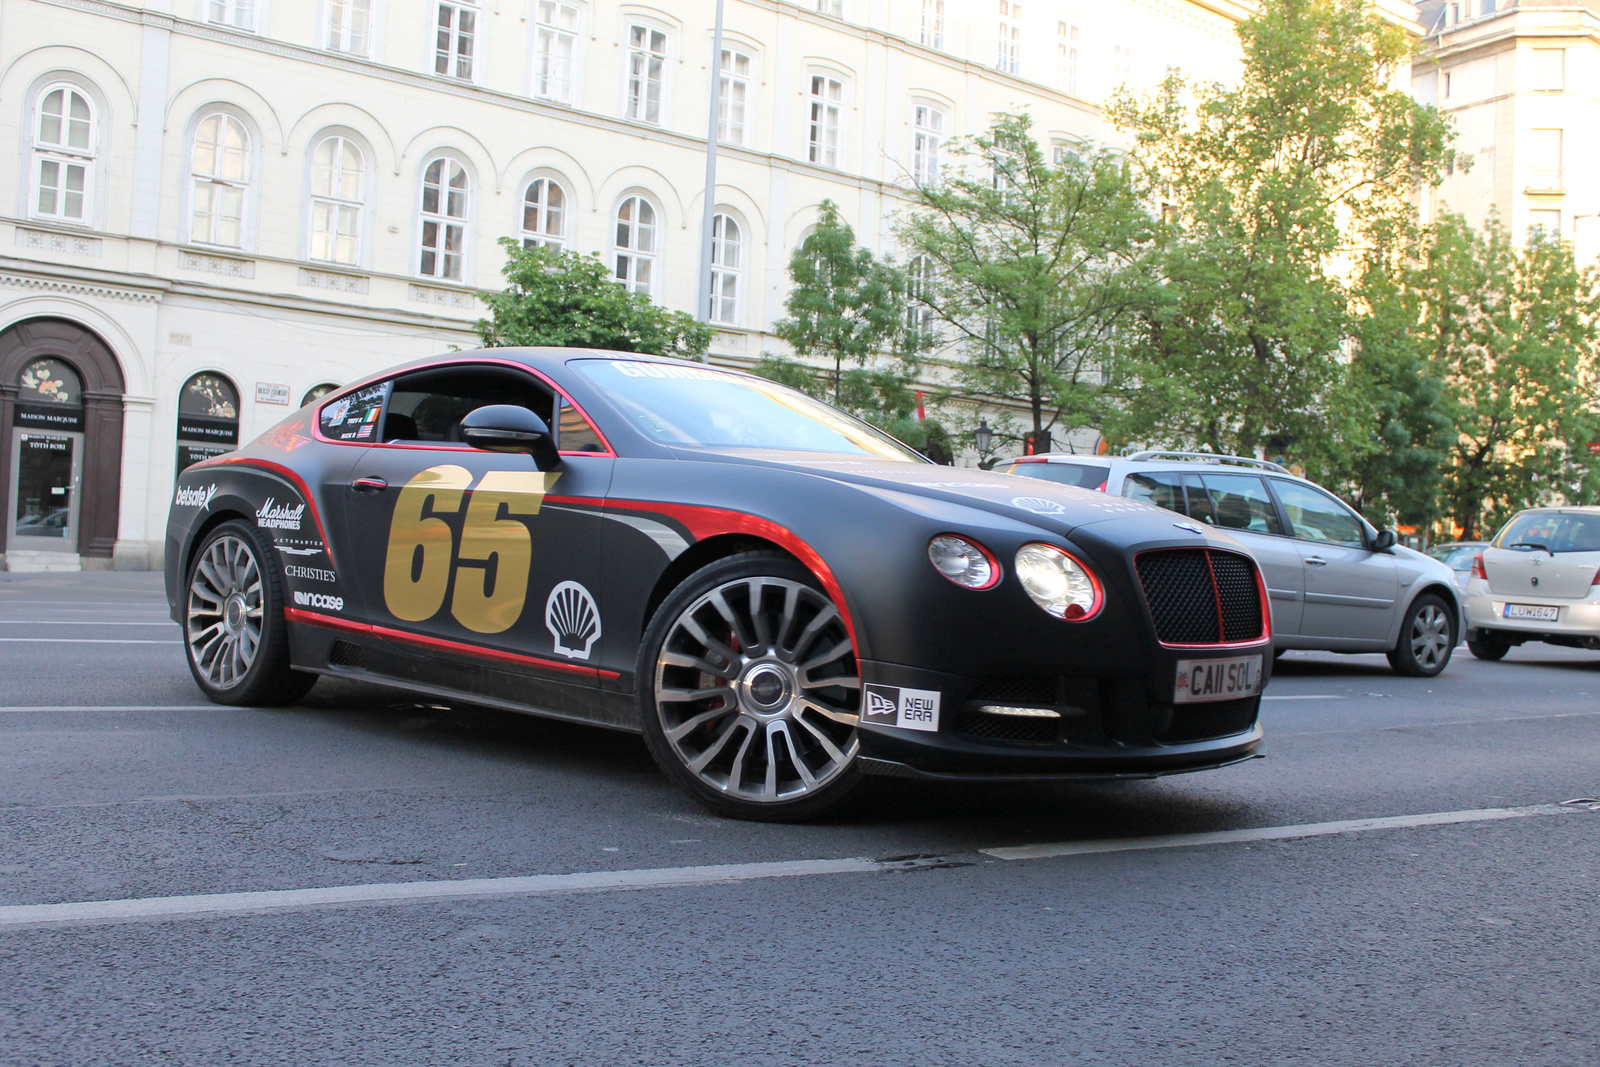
86,641
1308,696
1270,833
160,909
18,709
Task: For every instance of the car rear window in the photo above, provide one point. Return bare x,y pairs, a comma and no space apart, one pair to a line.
1082,475
1164,489
1553,530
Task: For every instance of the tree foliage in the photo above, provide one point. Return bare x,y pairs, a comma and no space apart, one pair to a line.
1276,187
565,299
1032,269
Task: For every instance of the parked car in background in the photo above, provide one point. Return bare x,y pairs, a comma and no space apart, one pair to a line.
1458,556
1336,582
1538,580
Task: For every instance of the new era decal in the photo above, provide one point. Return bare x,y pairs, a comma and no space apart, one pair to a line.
909,709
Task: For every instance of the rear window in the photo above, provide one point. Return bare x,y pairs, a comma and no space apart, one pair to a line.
1552,530
1082,475
1164,489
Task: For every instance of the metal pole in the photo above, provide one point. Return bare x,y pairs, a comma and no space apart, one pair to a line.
714,110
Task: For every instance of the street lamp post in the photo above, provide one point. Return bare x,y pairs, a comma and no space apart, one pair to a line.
983,438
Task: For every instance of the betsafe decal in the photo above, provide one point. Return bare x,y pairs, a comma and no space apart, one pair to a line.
194,496
573,619
423,553
892,705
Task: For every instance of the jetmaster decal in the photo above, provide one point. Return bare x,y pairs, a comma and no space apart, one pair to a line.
909,709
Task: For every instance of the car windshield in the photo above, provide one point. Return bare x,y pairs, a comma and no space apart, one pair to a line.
1555,531
690,405
1082,475
1456,557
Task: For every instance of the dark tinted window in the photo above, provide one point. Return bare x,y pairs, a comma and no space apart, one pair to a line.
1164,489
429,406
575,434
353,417
1082,475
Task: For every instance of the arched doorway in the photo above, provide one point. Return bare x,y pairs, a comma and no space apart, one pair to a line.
60,441
208,418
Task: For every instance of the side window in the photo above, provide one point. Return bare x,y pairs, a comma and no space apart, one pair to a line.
1240,502
355,417
1163,489
1199,501
575,434
428,406
1315,516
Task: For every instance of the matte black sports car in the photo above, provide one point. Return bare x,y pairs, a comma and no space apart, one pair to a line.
781,598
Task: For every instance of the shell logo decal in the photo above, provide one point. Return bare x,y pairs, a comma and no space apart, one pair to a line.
1037,505
573,619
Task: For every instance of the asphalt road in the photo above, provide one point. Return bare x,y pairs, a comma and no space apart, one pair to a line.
1469,939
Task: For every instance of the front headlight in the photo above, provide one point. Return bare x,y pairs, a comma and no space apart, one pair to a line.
964,562
1056,581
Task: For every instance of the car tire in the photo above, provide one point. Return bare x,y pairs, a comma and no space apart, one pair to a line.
1427,638
1488,647
749,692
234,635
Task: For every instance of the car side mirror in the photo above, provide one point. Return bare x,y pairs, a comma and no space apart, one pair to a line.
509,428
1384,541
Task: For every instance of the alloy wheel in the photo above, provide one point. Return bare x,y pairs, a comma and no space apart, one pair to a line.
758,691
223,628
1430,636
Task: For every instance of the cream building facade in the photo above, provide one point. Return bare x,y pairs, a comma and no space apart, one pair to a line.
220,206
1521,80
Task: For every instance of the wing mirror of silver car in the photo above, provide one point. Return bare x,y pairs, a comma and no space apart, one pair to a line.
1384,541
509,428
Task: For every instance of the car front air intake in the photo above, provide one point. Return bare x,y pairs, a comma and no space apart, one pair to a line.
1202,596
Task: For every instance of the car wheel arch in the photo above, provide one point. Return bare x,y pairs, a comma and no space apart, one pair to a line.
1445,594
699,555
198,535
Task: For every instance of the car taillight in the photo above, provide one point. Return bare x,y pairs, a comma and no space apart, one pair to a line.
1100,488
1596,578
1478,571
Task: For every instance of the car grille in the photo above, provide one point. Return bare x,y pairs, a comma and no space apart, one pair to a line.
1202,722
1201,596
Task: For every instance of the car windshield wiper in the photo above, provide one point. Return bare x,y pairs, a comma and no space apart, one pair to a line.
1531,544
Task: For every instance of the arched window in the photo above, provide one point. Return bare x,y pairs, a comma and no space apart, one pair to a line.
544,215
317,392
444,219
208,418
338,179
220,174
636,244
63,154
727,247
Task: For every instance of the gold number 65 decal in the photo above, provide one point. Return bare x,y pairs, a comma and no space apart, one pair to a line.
422,549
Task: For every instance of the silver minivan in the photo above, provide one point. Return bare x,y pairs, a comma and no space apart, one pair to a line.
1336,582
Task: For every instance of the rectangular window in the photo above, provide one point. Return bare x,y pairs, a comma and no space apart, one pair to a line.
1546,223
831,7
647,58
823,131
349,26
1009,37
61,187
1121,65
732,96
1549,70
240,14
927,132
1066,57
555,40
932,32
1544,161
457,29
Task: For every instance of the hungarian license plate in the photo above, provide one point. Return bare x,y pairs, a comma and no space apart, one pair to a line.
1545,612
1217,679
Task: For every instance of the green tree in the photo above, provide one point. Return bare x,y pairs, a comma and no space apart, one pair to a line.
566,299
1034,270
845,305
1275,189
1511,331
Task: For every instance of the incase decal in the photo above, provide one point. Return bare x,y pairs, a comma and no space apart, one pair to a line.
194,496
318,600
909,709
316,574
282,517
573,619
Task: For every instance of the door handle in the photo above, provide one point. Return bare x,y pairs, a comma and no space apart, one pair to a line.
1316,561
369,485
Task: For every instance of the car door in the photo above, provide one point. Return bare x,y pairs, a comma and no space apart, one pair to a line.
1241,505
1350,590
463,555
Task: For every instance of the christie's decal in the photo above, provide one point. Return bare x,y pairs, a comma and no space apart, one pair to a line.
318,600
282,517
573,619
909,709
315,574
194,496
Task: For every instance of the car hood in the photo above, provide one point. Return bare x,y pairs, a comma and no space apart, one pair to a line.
1048,505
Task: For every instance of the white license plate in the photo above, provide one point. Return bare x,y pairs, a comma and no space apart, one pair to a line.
1533,611
1217,679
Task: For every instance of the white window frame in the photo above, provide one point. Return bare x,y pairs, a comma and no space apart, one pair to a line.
824,118
542,233
348,25
1121,65
1008,37
335,201
63,156
927,137
455,48
919,276
216,184
733,97
727,269
831,7
242,15
443,220
628,253
555,50
1067,35
644,69
931,27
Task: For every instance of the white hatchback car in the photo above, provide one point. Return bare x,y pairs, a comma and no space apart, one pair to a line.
1538,580
1337,583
